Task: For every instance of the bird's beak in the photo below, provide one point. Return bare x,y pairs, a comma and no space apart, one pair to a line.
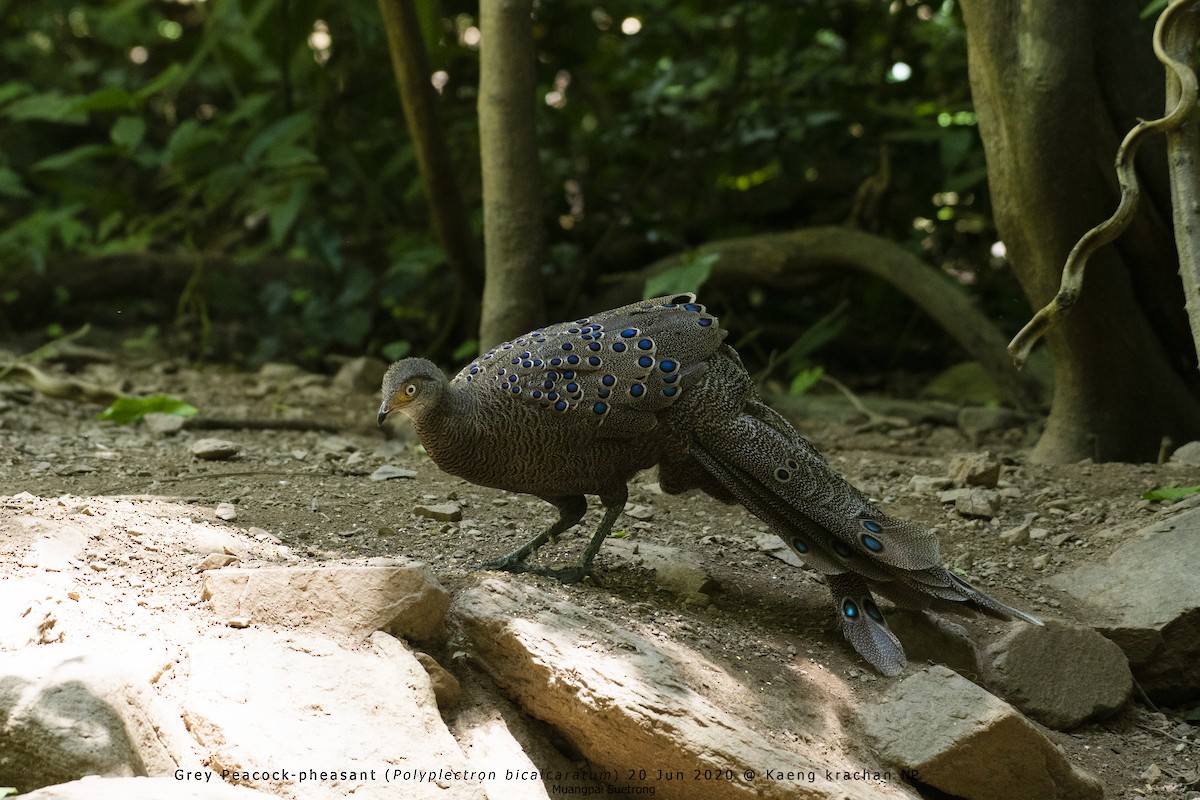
383,413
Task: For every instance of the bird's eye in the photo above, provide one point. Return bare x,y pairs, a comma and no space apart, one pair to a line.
411,389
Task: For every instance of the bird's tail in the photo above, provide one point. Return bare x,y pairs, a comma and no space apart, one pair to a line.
778,476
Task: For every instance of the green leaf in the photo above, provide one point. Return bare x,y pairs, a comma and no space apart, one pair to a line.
394,351
283,216
11,184
125,410
110,98
128,132
688,276
72,157
283,131
13,89
51,106
1171,493
805,380
468,349
160,81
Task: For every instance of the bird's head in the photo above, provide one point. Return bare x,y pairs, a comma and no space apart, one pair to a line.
413,386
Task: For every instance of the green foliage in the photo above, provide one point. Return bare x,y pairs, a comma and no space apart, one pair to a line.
1170,494
125,410
805,379
269,135
691,273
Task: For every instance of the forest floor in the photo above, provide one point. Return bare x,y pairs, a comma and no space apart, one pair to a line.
312,490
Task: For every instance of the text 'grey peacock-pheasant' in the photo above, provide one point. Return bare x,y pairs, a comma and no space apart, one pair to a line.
578,408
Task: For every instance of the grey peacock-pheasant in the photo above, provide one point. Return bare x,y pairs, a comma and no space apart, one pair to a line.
578,408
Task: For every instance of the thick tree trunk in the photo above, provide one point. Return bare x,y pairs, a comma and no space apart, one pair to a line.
1056,86
410,64
512,220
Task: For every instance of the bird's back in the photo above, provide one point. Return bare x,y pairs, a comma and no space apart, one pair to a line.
578,407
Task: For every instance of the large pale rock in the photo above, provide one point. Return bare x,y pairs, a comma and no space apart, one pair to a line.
970,744
1146,598
1061,674
184,788
66,713
629,704
280,709
399,596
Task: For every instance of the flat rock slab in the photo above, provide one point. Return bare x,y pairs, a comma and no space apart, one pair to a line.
1062,674
1146,598
66,713
968,743
303,717
96,788
647,714
400,597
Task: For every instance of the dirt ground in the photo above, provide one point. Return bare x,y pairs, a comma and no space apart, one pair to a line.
770,622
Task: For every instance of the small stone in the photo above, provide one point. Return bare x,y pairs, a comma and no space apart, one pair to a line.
215,561
928,483
263,535
162,424
1062,538
336,444
978,503
1037,534
226,511
1187,454
1017,535
443,512
952,495
215,449
362,374
639,512
1152,775
388,472
975,469
238,622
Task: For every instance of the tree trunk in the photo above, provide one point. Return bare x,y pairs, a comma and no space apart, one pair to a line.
410,64
1056,86
512,221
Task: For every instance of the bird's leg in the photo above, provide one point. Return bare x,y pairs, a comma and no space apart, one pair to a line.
613,506
570,510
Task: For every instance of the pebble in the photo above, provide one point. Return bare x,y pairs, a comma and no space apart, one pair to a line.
215,449
978,503
1187,454
226,511
443,512
264,535
639,512
389,472
215,561
1017,535
928,483
162,424
238,622
975,469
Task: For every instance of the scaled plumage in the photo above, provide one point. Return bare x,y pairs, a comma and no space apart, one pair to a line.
578,408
